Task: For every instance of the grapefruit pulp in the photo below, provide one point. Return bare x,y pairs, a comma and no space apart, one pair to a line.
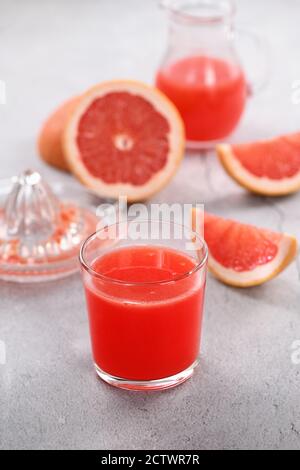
270,167
124,138
243,255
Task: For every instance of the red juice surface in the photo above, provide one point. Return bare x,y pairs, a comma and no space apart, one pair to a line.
147,331
209,93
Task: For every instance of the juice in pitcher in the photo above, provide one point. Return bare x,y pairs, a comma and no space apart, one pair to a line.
201,71
210,95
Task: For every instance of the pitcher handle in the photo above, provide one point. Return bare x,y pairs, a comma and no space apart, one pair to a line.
261,45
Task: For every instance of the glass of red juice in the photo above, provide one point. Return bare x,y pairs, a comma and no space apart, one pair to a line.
201,71
144,284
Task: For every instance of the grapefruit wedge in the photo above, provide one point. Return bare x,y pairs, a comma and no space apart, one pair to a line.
124,138
243,255
50,145
270,167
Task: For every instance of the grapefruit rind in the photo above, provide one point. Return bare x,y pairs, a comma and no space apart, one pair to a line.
258,185
176,141
287,252
49,144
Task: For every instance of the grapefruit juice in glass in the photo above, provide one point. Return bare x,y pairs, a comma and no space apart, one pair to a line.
145,305
201,72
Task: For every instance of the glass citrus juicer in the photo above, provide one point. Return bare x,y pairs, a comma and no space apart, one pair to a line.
201,71
42,228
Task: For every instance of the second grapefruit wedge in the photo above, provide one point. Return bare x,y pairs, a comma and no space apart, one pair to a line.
124,138
243,255
270,167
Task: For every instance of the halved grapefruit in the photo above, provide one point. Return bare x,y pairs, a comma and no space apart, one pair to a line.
124,138
270,167
243,255
50,146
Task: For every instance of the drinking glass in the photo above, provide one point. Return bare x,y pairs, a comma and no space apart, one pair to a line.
144,283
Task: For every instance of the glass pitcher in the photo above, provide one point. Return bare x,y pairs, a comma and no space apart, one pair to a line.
201,72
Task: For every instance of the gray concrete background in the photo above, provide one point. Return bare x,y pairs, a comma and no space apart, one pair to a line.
245,394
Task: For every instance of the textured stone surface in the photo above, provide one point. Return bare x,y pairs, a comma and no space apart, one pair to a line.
245,394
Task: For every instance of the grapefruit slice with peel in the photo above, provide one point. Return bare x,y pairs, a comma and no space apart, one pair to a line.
124,138
243,255
270,167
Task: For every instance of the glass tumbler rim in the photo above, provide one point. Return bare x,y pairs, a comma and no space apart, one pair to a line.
88,268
